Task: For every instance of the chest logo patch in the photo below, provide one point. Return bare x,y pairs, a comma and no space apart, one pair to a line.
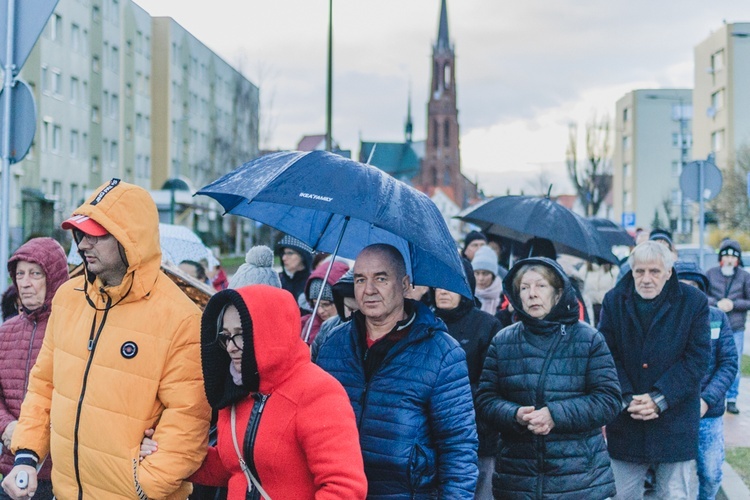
129,350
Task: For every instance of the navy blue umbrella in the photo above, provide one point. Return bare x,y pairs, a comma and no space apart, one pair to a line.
340,206
523,217
611,232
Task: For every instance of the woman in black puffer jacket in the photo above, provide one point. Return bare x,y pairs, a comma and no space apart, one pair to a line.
474,330
548,386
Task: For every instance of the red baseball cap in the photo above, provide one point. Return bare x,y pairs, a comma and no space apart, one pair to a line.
85,224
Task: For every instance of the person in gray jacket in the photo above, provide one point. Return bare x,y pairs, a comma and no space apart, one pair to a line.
729,290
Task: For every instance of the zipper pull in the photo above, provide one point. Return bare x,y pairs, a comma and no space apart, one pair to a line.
91,344
562,330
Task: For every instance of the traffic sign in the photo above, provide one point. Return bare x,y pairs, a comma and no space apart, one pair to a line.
690,181
31,16
628,219
23,120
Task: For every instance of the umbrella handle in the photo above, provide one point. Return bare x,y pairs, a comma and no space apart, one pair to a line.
325,280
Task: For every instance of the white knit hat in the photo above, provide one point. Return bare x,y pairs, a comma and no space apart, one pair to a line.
257,269
485,259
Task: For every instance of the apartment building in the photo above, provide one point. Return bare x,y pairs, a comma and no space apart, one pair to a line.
652,141
721,96
121,94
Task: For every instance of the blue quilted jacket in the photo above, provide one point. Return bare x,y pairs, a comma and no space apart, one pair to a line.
416,415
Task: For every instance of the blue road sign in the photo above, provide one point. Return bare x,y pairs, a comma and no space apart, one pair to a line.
628,219
31,17
22,120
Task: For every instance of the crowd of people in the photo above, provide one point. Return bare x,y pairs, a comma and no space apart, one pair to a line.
340,379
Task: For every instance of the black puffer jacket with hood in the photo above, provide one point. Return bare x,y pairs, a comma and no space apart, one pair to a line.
565,365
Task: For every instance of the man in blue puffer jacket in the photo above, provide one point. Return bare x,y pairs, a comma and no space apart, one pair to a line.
408,383
722,369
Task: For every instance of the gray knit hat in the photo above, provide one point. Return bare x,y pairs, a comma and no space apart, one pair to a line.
257,269
315,285
485,259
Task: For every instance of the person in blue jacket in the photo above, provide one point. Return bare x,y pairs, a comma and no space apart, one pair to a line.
408,382
722,368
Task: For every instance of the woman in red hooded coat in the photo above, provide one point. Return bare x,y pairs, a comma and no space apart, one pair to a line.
294,425
37,268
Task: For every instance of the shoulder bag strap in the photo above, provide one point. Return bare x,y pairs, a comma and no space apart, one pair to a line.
251,480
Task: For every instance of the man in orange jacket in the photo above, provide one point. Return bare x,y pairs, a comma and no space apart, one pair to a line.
121,353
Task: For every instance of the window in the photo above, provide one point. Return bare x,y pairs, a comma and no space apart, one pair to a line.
627,199
56,189
129,133
95,115
676,197
677,140
717,140
74,143
128,89
114,107
75,37
626,170
96,65
54,28
435,132
717,100
105,103
96,14
138,41
446,134
682,112
75,90
717,61
45,79
74,201
94,164
625,143
676,168
56,138
114,153
114,61
139,124
626,114
56,82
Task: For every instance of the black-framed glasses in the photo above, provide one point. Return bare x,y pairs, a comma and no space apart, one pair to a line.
79,235
224,340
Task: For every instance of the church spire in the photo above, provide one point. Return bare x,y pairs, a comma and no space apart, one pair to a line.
443,40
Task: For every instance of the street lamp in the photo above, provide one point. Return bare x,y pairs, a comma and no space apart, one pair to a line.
174,184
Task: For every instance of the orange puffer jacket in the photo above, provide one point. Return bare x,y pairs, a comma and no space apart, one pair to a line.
117,360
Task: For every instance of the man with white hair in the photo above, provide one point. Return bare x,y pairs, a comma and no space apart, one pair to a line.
658,331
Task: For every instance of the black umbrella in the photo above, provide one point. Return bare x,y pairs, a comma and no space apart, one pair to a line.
612,233
523,217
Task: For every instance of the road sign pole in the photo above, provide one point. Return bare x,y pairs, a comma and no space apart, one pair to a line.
9,76
702,212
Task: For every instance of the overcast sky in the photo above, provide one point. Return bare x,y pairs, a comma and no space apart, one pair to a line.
524,70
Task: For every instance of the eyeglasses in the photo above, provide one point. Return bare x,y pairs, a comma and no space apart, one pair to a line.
225,339
79,235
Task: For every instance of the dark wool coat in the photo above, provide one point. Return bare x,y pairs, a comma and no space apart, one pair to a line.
565,365
671,358
736,288
722,365
415,415
474,330
21,336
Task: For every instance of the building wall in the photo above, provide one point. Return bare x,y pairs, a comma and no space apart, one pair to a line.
103,75
721,98
648,153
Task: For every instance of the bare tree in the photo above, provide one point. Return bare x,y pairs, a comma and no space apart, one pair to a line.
592,177
731,205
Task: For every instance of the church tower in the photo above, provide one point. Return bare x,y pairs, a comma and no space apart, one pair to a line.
441,164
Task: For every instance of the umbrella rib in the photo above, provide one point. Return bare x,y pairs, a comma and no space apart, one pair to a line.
325,228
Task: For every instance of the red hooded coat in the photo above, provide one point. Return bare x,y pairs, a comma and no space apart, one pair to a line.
21,336
307,445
